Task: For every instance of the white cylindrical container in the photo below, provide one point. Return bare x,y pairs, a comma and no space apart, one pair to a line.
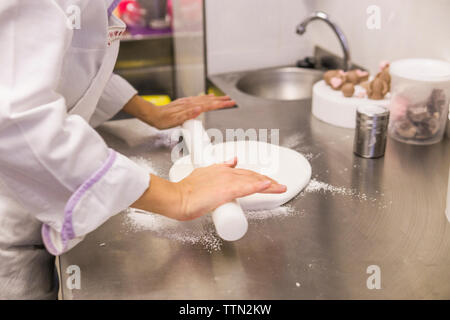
420,98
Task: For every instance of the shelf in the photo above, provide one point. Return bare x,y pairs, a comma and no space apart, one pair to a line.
144,33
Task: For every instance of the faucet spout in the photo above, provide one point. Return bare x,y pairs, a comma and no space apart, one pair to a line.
320,15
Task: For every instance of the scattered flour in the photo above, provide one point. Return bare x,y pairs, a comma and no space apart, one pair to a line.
200,231
167,138
293,141
318,186
311,156
282,211
315,186
146,164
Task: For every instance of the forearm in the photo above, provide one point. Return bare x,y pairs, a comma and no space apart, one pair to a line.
176,112
162,197
141,109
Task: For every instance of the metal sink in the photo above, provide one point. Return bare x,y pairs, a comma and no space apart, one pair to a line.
286,83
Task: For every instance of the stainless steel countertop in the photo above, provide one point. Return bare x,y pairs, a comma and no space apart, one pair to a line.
394,220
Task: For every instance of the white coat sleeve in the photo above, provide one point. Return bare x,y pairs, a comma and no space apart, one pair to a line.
116,94
55,164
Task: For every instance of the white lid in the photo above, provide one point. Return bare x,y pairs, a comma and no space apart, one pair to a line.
372,110
421,69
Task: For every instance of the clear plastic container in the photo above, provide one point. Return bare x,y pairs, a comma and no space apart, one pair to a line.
420,97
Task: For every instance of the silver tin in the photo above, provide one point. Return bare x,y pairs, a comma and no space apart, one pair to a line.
371,131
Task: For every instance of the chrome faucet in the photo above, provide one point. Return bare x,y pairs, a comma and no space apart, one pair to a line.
320,15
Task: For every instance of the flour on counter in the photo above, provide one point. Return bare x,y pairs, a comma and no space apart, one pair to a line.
318,186
146,164
293,141
200,231
296,142
315,186
282,211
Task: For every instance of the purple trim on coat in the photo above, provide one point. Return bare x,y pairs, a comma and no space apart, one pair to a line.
45,232
113,6
67,232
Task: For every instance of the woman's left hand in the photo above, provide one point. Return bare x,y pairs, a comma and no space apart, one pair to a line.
176,112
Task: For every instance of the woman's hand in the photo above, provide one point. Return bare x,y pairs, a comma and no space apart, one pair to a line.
204,190
176,112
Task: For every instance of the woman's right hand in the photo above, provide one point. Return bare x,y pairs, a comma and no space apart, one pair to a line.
204,190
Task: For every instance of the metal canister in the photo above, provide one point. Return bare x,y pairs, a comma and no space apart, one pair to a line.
371,130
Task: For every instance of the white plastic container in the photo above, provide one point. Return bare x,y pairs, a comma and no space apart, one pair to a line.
332,107
420,100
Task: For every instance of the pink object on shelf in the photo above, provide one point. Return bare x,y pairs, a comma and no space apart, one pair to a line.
384,64
335,82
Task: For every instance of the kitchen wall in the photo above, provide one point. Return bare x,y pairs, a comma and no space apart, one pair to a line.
249,34
408,28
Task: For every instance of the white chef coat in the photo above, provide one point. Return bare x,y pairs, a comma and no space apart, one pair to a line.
58,178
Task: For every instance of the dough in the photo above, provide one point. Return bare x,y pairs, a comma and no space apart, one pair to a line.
286,166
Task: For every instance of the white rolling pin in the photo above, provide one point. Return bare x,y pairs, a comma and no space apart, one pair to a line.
229,219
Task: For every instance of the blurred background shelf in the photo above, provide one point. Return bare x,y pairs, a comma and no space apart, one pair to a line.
147,62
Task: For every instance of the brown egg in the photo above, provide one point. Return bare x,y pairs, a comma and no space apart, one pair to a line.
348,90
352,77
